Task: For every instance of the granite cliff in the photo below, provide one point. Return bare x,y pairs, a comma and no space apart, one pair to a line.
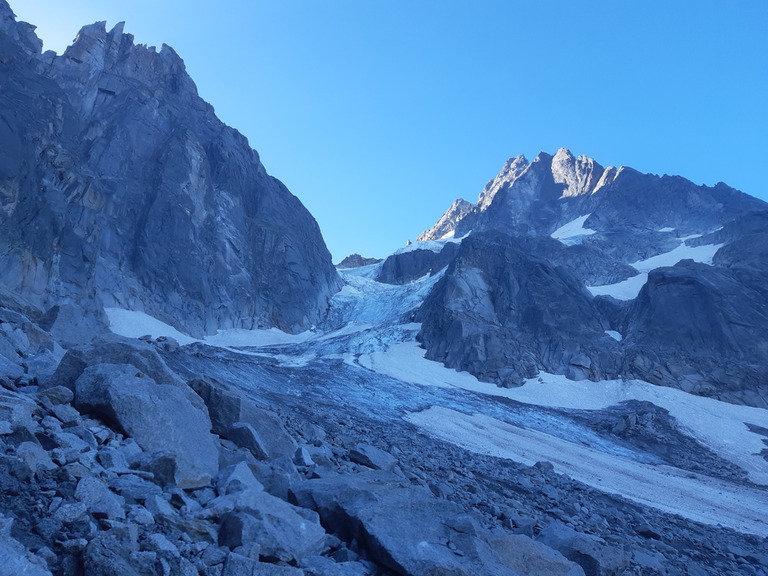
121,188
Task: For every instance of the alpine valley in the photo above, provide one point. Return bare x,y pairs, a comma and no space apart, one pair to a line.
568,377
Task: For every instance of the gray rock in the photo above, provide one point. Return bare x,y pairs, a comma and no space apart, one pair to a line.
414,264
303,457
357,261
229,408
526,556
114,350
245,436
277,476
447,223
100,501
696,327
596,557
10,369
237,478
218,243
406,529
15,559
110,554
278,529
58,395
35,457
372,457
323,566
159,417
16,411
71,513
134,488
237,565
503,314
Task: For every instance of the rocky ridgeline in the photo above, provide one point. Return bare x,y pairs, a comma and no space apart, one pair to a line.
111,463
357,261
514,296
120,187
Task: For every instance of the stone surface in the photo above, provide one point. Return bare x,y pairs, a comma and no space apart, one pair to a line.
357,261
161,418
278,529
503,315
401,268
112,162
233,412
372,457
100,501
406,529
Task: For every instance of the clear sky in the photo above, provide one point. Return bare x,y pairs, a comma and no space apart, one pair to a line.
377,114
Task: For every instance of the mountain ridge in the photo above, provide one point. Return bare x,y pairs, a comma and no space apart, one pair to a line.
146,200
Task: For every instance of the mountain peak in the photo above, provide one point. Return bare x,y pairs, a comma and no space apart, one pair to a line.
580,175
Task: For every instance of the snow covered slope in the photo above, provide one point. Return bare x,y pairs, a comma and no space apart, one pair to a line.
370,330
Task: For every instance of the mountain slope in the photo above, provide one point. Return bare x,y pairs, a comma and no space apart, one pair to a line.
667,268
121,188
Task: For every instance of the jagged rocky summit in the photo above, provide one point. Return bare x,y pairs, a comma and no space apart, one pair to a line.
119,187
598,273
357,261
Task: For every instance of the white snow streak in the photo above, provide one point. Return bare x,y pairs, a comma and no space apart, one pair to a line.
615,335
432,245
719,425
573,232
629,289
700,498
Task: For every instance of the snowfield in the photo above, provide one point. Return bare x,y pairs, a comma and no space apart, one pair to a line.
368,328
573,232
700,498
630,288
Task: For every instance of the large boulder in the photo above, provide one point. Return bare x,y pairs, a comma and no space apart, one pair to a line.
112,350
237,417
411,532
267,526
593,554
162,418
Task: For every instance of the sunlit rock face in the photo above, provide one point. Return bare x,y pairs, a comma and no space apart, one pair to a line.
597,273
120,187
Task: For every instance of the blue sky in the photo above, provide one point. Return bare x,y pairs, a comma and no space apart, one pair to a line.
378,114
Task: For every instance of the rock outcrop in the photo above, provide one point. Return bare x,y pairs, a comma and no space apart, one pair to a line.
120,187
517,302
503,315
357,261
404,267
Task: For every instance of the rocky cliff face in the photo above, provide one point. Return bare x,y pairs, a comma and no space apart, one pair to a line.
119,187
562,250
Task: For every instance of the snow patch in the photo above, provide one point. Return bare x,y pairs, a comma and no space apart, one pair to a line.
573,232
255,338
700,498
134,324
615,335
625,290
718,425
432,245
702,254
629,289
